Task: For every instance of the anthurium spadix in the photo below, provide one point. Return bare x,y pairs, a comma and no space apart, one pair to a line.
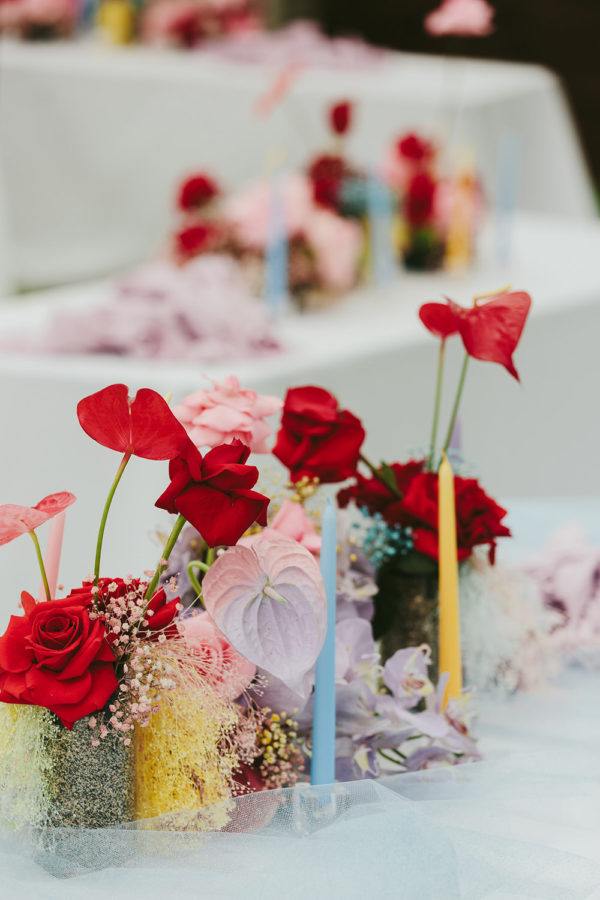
268,601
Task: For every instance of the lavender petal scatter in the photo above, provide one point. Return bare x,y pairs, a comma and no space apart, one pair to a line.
200,312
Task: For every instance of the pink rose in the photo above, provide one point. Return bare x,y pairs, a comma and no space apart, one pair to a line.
337,244
293,522
249,211
465,18
226,669
226,411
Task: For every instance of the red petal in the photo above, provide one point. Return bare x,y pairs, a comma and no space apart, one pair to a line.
105,417
14,655
224,455
491,331
28,602
103,685
221,518
145,428
156,433
439,319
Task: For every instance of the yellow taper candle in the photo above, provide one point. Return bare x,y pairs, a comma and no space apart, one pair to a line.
449,610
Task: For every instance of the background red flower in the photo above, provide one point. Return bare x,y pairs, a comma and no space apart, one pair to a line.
196,191
340,117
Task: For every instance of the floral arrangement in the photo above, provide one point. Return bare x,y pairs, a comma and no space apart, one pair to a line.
38,19
400,499
190,23
114,705
439,216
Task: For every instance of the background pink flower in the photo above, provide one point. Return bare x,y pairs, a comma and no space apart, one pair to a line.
226,411
292,521
464,18
227,670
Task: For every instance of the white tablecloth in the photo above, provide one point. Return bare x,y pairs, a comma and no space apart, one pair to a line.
94,140
538,439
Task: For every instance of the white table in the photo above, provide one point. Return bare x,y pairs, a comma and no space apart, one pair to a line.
95,139
537,440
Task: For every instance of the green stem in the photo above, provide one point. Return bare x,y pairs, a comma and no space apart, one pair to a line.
457,399
191,574
210,556
105,512
437,404
167,550
388,482
40,559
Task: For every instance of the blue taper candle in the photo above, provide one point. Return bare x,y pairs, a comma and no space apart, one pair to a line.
276,256
323,735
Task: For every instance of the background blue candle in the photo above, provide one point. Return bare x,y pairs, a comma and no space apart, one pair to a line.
323,735
380,207
276,258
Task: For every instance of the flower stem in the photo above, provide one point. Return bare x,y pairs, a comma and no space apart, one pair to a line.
167,550
437,404
105,512
380,474
40,559
191,574
457,399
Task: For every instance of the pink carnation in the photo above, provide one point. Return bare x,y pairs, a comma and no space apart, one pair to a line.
227,670
464,18
227,411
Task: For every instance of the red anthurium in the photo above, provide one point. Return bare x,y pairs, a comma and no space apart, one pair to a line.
144,426
196,191
491,330
439,319
16,520
340,117
214,493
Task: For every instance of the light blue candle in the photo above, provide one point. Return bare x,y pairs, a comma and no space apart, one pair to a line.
276,257
323,734
380,207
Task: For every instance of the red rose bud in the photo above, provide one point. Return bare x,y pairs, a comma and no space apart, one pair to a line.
377,498
413,148
192,240
196,191
340,117
214,493
143,426
491,330
419,200
55,656
316,438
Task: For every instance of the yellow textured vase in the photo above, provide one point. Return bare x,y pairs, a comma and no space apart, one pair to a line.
183,763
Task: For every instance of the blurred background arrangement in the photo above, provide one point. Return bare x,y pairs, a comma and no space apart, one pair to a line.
190,188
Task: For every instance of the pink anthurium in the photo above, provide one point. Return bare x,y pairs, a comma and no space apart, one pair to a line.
17,520
269,603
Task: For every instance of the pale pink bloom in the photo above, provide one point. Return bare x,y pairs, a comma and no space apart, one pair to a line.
269,602
17,520
226,669
249,211
337,244
292,521
226,411
396,170
465,18
50,12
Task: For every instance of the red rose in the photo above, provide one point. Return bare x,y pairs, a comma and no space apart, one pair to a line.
55,656
213,493
418,204
195,239
377,498
414,148
316,438
196,191
478,517
340,117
